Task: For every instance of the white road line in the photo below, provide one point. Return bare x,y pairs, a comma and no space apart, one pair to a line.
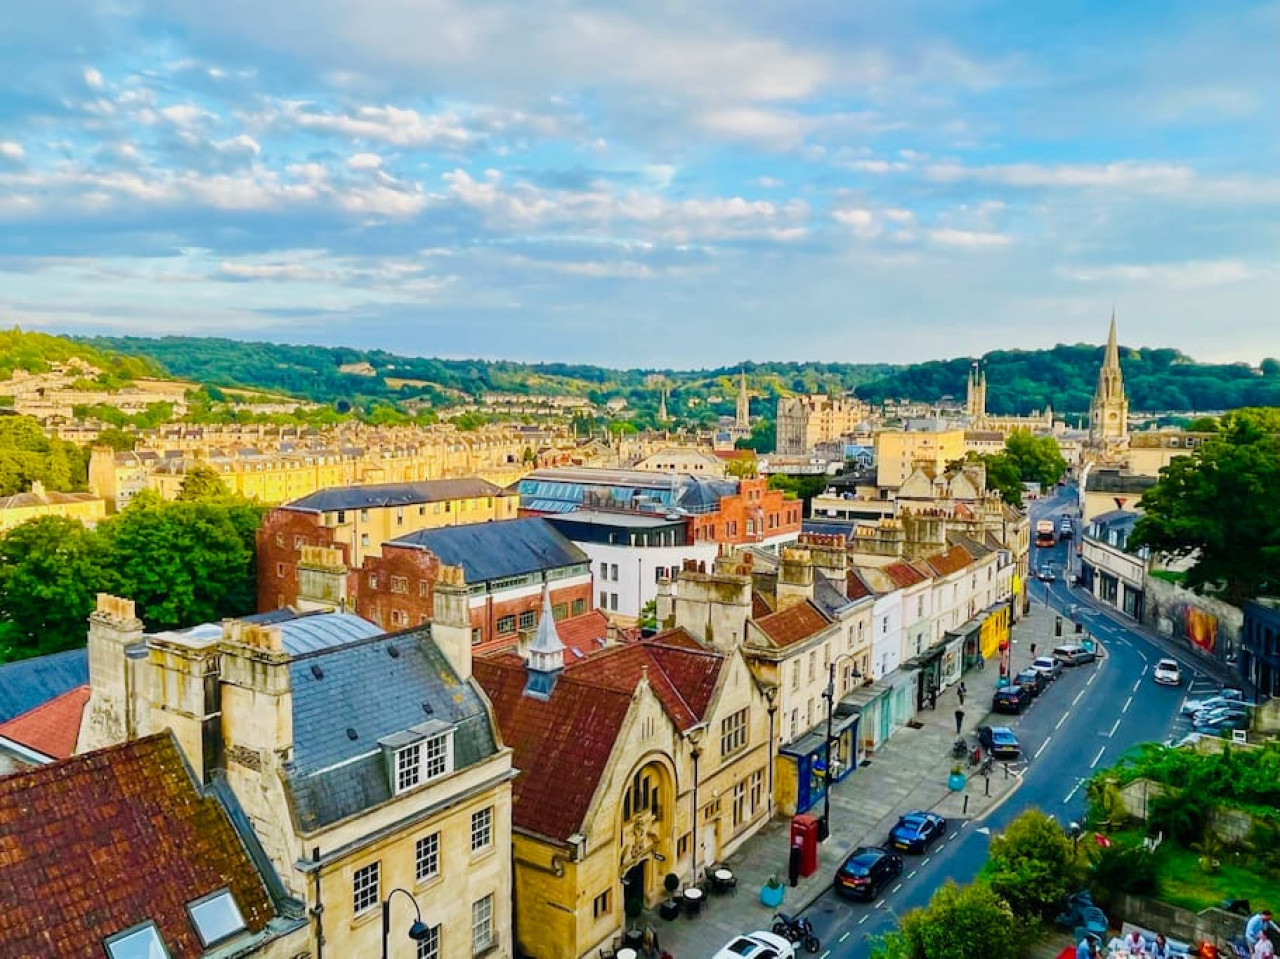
1089,681
912,873
1074,790
1114,727
954,834
895,888
1061,719
1094,764
844,937
925,860
880,904
1144,671
1042,747
1079,696
1127,703
865,917
825,955
1137,686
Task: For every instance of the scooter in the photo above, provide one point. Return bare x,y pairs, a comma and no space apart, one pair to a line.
796,929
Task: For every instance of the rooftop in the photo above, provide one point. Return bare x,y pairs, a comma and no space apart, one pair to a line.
299,632
489,551
380,495
30,682
51,729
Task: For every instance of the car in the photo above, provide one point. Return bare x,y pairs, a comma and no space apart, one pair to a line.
1073,655
1223,720
1230,709
1223,698
916,831
1010,699
1167,673
757,945
1033,681
1000,742
1049,667
1046,574
1065,529
866,871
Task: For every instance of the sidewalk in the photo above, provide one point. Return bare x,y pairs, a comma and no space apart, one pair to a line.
909,772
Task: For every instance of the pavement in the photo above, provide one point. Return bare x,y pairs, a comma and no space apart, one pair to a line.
908,772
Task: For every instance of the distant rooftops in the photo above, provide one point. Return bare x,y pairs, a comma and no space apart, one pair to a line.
27,683
381,495
564,490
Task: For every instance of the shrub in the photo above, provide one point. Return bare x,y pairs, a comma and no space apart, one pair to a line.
1122,867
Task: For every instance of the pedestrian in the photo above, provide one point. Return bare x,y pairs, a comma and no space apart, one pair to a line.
1263,949
982,662
1033,650
1135,943
1088,948
1256,924
959,721
1160,948
961,691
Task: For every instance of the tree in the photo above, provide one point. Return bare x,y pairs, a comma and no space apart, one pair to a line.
1038,458
1031,865
763,439
202,484
960,922
1221,506
50,570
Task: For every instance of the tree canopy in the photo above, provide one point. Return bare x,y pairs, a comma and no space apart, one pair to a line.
27,455
960,922
1031,865
1220,506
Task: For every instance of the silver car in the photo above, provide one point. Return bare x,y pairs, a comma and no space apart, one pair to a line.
1048,665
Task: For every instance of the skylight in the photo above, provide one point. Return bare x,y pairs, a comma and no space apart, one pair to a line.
216,917
140,942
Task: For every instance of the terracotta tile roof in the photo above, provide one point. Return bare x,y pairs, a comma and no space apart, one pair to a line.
562,745
793,624
904,574
952,561
51,728
96,844
760,606
855,588
584,633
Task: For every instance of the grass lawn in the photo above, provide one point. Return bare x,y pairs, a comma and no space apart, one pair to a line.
1175,576
1183,883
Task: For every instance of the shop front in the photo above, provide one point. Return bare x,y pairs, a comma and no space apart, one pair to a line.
928,669
881,707
802,765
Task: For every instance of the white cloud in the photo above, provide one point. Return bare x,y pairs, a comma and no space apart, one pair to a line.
12,150
92,78
1186,275
772,128
1159,178
364,161
969,239
862,221
388,124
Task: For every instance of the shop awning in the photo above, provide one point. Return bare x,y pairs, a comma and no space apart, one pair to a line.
812,741
930,655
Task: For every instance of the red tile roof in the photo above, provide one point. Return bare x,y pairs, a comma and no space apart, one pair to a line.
854,587
952,561
51,728
904,574
759,605
96,844
562,745
793,624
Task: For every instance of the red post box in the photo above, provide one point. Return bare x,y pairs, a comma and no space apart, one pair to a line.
804,836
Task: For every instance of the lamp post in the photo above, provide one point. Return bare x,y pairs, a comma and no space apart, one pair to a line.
824,825
417,932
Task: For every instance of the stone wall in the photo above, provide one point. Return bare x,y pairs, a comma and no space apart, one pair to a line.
1208,626
1175,923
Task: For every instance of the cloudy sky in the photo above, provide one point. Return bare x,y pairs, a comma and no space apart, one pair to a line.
656,183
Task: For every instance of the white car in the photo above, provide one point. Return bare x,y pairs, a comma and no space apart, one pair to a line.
757,945
1226,697
1167,673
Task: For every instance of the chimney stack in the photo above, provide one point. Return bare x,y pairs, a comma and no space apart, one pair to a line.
451,620
116,679
795,577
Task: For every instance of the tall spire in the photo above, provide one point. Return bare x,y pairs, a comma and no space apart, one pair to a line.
743,419
1112,359
1109,411
546,653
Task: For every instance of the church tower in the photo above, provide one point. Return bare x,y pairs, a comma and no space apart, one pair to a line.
1109,411
743,419
976,394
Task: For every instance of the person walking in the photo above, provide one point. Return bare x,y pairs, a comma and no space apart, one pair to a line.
960,691
959,721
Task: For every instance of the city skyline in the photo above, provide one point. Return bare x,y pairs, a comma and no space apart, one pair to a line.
662,188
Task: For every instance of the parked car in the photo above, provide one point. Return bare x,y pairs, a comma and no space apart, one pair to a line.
1033,681
1000,742
1073,655
1065,529
1222,720
866,871
1167,673
1046,574
1230,709
916,831
1225,697
1010,699
1048,666
757,945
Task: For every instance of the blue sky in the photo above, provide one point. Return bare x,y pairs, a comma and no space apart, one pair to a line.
665,184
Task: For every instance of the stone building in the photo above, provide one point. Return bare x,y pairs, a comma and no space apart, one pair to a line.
38,502
806,422
1109,410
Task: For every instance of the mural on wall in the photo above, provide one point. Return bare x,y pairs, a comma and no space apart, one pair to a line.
1201,627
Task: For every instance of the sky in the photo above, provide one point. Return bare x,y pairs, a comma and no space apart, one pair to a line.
663,184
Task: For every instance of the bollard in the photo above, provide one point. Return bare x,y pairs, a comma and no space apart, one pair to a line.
1006,770
965,810
988,779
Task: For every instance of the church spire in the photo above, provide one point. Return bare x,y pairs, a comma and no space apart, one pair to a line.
1109,411
743,419
1111,361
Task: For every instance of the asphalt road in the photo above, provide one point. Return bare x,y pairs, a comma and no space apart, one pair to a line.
1086,719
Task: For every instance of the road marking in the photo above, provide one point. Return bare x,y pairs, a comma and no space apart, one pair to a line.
1079,695
1114,727
954,834
912,873
865,917
1043,745
925,860
1137,686
1090,680
1061,719
1094,764
844,937
1144,671
1074,790
984,831
895,888
1125,708
880,904
825,955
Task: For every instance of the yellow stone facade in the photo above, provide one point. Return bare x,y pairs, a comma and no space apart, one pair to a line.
900,452
17,509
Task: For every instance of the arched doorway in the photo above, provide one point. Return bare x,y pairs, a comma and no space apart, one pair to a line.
645,839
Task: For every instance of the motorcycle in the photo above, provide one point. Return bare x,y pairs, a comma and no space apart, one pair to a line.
959,749
796,930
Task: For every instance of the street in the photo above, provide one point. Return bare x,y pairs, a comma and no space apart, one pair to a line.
1086,719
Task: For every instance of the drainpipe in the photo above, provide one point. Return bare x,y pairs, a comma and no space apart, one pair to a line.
695,753
318,909
771,695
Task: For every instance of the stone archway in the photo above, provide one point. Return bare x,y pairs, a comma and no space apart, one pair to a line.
645,827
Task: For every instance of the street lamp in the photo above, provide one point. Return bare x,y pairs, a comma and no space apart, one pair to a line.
824,825
418,932
1075,830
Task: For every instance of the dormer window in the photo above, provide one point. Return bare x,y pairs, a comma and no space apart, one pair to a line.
140,942
418,755
216,917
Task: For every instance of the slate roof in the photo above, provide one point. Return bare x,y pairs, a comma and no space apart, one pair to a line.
488,551
1118,521
299,632
366,689
96,844
27,683
793,624
47,498
52,728
377,495
561,490
829,599
971,546
562,744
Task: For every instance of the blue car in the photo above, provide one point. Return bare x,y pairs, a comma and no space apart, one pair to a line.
916,831
1000,742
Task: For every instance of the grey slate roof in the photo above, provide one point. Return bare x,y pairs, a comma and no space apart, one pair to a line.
362,688
827,598
28,683
562,489
488,551
1117,521
378,495
299,633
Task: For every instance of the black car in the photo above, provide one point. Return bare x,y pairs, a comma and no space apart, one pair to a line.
1033,681
1010,699
866,871
1000,742
916,831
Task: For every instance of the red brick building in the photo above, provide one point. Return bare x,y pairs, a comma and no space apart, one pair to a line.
754,514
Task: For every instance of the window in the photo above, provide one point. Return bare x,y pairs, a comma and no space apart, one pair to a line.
481,829
399,618
216,917
279,570
604,600
279,539
482,924
739,803
399,515
604,571
643,795
528,619
757,790
682,846
733,732
399,584
423,761
426,857
813,664
424,588
559,611
600,905
506,624
613,602
364,516
298,542
140,942
364,540
365,892
477,635
373,580
342,516
579,607
613,571
429,948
